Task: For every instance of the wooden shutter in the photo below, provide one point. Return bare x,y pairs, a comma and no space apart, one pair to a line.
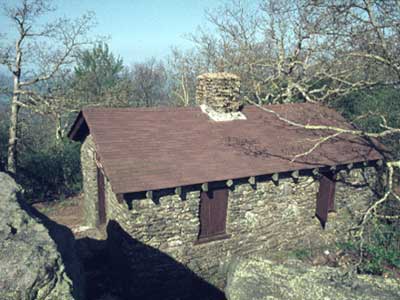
101,197
213,208
326,197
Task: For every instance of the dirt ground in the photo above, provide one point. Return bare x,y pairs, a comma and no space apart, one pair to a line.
67,212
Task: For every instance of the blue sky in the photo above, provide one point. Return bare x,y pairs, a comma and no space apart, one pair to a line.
139,29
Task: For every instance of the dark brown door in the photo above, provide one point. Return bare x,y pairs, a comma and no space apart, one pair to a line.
326,197
101,197
213,207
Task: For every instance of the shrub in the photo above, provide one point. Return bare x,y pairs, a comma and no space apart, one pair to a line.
381,248
52,172
382,237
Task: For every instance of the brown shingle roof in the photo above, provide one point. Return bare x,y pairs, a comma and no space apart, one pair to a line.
146,149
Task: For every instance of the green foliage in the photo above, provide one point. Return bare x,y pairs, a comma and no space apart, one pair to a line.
383,101
97,73
348,246
302,254
382,239
99,67
381,248
51,172
47,169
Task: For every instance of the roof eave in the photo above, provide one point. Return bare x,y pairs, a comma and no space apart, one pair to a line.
371,162
79,129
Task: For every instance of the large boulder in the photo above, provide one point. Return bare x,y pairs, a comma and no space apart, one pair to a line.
258,278
32,265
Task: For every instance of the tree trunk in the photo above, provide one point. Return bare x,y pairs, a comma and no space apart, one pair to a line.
13,130
59,129
13,137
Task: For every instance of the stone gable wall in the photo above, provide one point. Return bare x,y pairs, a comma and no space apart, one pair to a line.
89,173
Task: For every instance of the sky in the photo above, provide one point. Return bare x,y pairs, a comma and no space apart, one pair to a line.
140,29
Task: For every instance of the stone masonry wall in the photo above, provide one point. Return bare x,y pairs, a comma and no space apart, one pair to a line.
89,172
157,240
220,91
268,218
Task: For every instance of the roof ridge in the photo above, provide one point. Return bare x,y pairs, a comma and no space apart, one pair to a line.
154,108
192,108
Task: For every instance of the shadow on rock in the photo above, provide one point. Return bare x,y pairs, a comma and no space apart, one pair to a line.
66,246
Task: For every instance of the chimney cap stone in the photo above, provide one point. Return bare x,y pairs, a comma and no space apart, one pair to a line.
219,75
219,96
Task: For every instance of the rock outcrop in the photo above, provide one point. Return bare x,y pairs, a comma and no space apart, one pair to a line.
32,265
259,278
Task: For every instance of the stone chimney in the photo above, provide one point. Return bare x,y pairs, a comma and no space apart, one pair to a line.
218,96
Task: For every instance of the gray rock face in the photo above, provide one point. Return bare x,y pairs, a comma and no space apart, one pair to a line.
259,278
31,266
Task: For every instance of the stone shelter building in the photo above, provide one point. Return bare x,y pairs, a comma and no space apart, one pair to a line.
189,188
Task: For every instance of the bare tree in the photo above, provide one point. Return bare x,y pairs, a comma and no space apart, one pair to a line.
183,68
303,50
149,81
34,54
370,30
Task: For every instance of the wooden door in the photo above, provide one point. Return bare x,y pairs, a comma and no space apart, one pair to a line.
326,197
101,197
213,208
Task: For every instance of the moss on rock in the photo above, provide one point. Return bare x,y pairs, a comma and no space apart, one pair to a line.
258,278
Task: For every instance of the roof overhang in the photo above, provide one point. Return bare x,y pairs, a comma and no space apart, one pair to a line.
80,129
